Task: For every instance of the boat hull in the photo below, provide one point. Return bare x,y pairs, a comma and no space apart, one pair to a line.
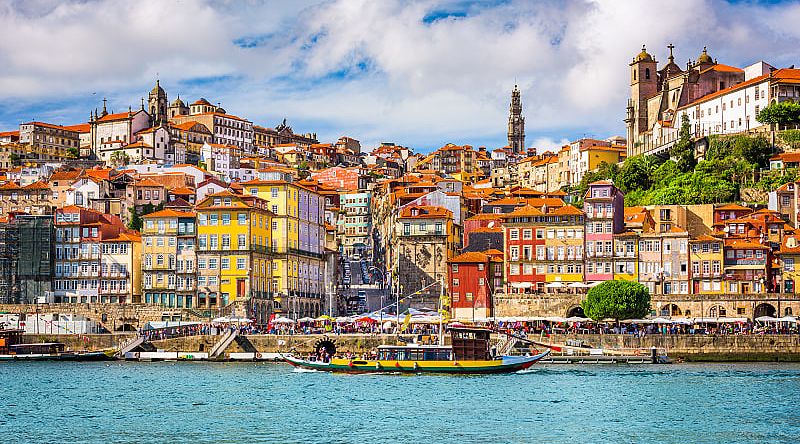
506,364
66,356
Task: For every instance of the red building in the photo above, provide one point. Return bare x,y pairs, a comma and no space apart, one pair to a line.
521,236
350,179
473,278
482,220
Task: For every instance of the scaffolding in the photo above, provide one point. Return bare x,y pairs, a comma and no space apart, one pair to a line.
9,253
26,252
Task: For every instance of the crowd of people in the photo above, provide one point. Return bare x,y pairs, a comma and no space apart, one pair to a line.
737,328
519,328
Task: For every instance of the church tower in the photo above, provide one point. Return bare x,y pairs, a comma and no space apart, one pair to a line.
157,106
516,123
644,84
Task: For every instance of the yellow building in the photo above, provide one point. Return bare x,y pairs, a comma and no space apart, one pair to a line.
789,256
120,269
563,244
169,264
233,245
707,258
298,239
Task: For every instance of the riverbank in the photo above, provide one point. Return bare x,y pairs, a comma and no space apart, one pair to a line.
699,348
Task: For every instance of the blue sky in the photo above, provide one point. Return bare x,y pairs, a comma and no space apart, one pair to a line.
417,73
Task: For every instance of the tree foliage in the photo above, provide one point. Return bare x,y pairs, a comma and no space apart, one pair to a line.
135,223
683,150
783,113
617,300
73,152
119,158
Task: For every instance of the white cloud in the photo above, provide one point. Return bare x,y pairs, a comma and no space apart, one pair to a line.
543,144
373,69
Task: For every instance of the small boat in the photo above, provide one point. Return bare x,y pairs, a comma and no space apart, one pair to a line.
469,354
50,351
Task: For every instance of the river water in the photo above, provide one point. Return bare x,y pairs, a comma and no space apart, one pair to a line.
263,402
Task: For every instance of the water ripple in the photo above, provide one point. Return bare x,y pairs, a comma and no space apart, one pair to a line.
263,402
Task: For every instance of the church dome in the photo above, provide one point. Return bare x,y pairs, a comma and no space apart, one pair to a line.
178,103
220,110
704,57
643,56
201,101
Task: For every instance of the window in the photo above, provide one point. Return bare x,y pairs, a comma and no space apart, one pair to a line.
455,282
242,217
241,263
514,234
527,234
455,268
225,263
226,218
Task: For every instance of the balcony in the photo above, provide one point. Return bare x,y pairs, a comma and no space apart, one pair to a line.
115,274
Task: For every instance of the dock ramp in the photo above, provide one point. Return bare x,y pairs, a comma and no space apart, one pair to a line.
223,343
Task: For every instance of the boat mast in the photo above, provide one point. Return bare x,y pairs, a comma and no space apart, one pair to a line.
441,312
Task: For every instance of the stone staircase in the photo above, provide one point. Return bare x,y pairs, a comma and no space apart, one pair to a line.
130,346
223,343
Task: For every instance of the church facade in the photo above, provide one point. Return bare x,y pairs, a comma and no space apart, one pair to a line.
716,98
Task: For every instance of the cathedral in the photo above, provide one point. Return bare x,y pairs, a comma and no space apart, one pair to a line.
516,123
659,94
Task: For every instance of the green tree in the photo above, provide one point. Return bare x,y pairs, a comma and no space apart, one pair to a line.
73,152
636,173
119,158
683,150
135,223
781,114
617,300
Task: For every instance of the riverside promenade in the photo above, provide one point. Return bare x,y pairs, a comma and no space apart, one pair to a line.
688,347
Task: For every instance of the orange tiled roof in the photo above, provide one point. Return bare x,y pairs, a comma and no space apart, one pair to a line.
485,216
566,210
118,116
170,213
470,257
527,210
732,207
38,185
65,175
425,211
79,128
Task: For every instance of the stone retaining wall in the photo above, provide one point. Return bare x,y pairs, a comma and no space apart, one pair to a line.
677,347
111,316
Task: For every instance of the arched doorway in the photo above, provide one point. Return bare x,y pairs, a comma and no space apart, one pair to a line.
717,311
670,310
787,311
764,310
576,312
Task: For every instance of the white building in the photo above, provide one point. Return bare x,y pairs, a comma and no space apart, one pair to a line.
116,130
731,110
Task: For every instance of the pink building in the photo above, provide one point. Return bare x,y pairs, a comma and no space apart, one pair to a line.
604,205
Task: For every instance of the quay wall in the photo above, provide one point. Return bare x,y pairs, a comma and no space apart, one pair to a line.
678,347
94,342
114,317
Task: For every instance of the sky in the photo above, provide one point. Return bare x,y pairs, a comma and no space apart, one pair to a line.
417,73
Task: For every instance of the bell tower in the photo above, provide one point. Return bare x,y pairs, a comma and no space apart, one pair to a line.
516,123
157,105
644,84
